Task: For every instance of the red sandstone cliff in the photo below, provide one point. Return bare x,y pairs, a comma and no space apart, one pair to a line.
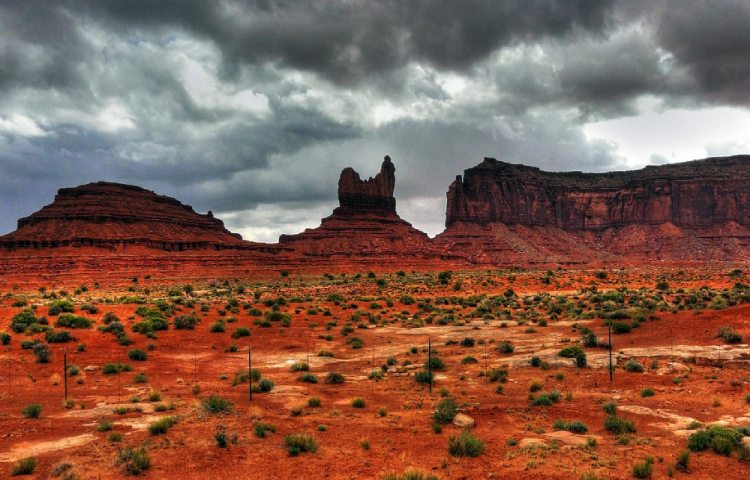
365,225
697,210
111,215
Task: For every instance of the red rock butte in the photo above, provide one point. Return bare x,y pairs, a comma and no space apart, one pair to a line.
113,215
498,214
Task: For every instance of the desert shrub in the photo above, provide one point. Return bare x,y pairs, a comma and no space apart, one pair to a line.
358,402
467,342
505,347
729,335
62,336
241,332
137,355
621,327
610,408
435,363
68,320
334,378
218,327
308,378
619,425
468,359
110,317
498,375
32,410
25,319
115,368
60,306
297,443
683,459
535,361
216,404
261,428
647,392
644,469
590,340
410,474
721,440
571,351
162,425
300,367
185,322
325,353
575,426
104,426
25,466
465,445
633,365
424,376
546,399
42,353
134,460
313,402
4,338
265,385
445,410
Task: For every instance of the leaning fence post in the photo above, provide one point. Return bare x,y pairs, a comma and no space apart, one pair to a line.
65,372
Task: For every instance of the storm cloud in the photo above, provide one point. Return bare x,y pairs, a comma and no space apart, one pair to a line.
252,108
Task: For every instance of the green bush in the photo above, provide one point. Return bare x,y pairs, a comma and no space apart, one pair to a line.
25,319
115,368
265,385
424,377
643,469
162,425
297,443
32,410
134,460
137,355
62,336
261,428
546,399
25,466
683,459
308,378
647,392
185,322
42,353
505,347
465,445
445,410
241,332
575,426
633,366
571,351
358,402
60,306
334,378
68,320
721,440
498,375
618,425
216,404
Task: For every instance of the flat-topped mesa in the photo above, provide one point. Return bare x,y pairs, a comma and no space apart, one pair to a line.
374,195
697,194
113,215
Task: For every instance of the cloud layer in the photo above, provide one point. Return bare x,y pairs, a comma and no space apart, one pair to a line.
252,108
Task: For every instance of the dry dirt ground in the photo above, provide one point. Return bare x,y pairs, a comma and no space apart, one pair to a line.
696,377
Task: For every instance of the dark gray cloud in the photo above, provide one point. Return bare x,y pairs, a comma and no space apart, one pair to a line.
251,108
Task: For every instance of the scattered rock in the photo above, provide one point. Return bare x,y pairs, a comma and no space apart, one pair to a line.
462,420
532,443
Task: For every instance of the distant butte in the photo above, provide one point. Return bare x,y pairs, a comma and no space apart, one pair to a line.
699,210
365,224
497,214
113,215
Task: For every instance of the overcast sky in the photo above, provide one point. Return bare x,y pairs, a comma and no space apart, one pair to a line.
252,108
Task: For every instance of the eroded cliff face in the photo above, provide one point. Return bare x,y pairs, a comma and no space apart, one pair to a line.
700,210
365,226
372,195
695,194
113,215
